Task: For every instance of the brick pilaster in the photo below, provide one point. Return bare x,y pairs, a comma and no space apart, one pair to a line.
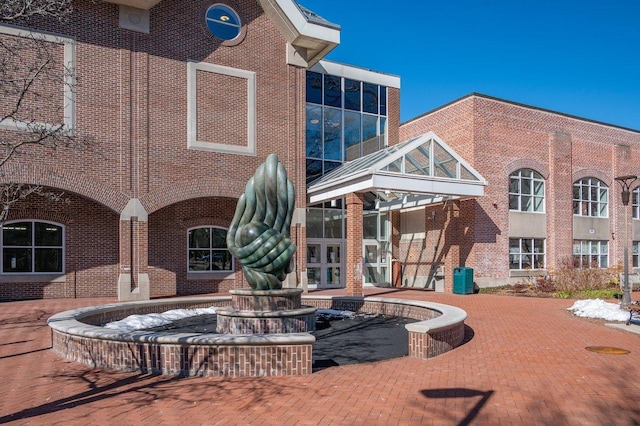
354,244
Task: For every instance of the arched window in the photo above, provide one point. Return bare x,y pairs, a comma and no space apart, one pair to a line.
526,191
32,247
590,198
207,250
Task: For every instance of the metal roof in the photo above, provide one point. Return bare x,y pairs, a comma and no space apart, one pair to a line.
420,171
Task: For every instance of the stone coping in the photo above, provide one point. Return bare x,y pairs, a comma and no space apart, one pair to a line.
449,316
70,322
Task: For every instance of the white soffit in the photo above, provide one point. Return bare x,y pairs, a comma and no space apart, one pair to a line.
356,73
368,174
311,39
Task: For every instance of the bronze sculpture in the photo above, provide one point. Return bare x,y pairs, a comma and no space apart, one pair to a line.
259,235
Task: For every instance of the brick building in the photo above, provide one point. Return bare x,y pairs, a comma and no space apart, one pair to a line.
181,101
551,198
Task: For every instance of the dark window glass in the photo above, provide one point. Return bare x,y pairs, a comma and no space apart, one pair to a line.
314,131
48,260
332,134
48,234
216,257
383,100
223,22
218,238
37,247
370,140
199,260
352,95
199,238
314,87
16,259
370,226
370,98
352,135
332,91
314,170
17,234
220,260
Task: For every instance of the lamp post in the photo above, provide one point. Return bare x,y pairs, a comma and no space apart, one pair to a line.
625,182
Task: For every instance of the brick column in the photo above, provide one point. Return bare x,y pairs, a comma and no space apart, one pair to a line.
354,244
452,238
133,278
559,203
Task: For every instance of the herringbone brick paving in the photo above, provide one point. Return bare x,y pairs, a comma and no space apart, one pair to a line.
523,362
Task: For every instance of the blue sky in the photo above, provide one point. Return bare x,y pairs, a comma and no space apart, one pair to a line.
576,57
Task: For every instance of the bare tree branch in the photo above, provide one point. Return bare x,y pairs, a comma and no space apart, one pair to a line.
13,10
33,77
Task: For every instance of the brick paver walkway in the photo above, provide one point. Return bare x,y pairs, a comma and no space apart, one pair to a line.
525,363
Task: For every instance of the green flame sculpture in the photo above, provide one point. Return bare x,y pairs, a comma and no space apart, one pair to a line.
259,236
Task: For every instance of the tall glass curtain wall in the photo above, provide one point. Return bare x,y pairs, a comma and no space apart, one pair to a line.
345,119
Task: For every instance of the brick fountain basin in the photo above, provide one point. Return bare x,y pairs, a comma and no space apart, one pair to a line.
258,347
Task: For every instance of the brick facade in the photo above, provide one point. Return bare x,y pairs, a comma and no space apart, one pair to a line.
131,104
137,188
498,137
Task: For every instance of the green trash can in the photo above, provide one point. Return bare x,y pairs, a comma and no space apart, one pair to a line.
462,280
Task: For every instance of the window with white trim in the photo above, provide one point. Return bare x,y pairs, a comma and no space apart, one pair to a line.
590,254
635,204
207,250
635,248
32,247
526,191
526,253
590,198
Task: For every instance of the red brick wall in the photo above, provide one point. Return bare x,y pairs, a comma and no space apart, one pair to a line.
91,250
498,137
132,106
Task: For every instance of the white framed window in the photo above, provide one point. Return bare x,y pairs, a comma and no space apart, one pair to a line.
207,250
635,203
590,198
635,249
526,191
590,254
32,247
526,253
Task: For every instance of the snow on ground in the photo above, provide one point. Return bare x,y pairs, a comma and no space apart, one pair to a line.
596,308
590,308
143,322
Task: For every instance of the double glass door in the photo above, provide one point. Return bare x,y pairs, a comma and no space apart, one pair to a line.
323,263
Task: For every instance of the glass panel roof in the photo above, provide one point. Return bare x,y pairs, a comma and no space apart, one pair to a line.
405,167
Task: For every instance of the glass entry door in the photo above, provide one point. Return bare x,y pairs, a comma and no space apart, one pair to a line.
324,268
376,265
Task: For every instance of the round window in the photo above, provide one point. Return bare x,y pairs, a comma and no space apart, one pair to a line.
223,22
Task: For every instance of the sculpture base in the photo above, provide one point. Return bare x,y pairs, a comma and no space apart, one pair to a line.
266,312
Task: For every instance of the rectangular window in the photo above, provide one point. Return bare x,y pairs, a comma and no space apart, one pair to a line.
314,87
207,247
332,91
526,254
32,247
352,95
590,254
